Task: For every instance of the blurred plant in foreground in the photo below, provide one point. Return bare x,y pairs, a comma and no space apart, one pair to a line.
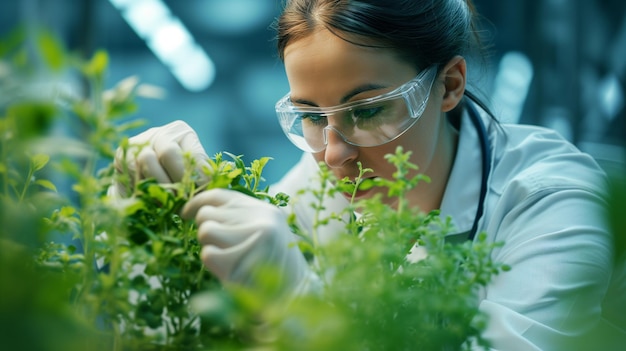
371,297
82,270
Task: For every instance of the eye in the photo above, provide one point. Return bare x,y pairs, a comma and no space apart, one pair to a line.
313,119
367,113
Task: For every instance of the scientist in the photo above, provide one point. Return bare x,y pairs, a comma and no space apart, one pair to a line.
368,76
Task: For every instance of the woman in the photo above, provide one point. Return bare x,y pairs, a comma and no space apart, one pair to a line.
366,77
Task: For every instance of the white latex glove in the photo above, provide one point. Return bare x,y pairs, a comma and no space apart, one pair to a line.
240,233
161,156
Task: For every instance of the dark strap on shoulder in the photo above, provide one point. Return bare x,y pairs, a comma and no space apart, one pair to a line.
486,159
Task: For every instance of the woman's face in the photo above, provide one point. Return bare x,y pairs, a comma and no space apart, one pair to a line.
325,70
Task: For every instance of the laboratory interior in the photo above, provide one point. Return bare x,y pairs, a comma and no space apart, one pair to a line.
555,63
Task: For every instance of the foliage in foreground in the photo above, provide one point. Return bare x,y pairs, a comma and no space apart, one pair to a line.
370,296
96,272
82,270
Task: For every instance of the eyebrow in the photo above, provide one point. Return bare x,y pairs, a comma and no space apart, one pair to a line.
358,90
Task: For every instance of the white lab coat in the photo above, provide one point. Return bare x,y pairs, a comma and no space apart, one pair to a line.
544,201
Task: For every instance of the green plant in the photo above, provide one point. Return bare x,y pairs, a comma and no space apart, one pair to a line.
148,261
36,299
123,269
373,297
124,274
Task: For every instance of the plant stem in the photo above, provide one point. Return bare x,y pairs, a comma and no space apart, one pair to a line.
26,185
4,161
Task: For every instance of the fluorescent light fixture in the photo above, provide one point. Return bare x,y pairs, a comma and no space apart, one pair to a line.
195,71
146,16
170,41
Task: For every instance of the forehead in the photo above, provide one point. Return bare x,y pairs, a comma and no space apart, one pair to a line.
322,61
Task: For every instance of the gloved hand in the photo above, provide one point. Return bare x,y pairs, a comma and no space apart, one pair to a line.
240,234
161,155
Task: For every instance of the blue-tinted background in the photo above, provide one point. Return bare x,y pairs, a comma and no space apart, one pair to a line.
557,63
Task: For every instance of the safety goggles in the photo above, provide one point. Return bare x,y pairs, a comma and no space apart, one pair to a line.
368,122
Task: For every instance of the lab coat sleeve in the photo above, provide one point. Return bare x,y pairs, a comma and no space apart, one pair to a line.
560,254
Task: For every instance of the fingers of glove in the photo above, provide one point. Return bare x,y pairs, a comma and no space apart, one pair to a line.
171,159
240,264
192,144
218,261
237,210
128,160
225,262
218,198
177,131
170,142
150,167
224,235
189,142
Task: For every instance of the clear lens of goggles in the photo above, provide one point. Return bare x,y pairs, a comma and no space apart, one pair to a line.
369,122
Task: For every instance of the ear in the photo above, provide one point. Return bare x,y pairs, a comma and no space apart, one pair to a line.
454,74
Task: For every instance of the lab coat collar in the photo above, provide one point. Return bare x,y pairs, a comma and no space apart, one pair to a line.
462,194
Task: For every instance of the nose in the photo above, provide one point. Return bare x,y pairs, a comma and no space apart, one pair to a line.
338,151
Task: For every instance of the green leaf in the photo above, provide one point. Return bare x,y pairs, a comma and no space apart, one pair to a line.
178,251
140,284
258,165
39,161
123,127
367,184
235,173
46,184
67,211
238,160
32,119
52,51
97,65
157,192
170,239
157,247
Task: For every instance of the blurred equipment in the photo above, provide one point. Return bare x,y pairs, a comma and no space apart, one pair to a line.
515,72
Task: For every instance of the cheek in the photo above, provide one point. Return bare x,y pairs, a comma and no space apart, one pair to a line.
421,140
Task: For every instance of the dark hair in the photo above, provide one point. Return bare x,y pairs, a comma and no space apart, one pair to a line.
421,32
